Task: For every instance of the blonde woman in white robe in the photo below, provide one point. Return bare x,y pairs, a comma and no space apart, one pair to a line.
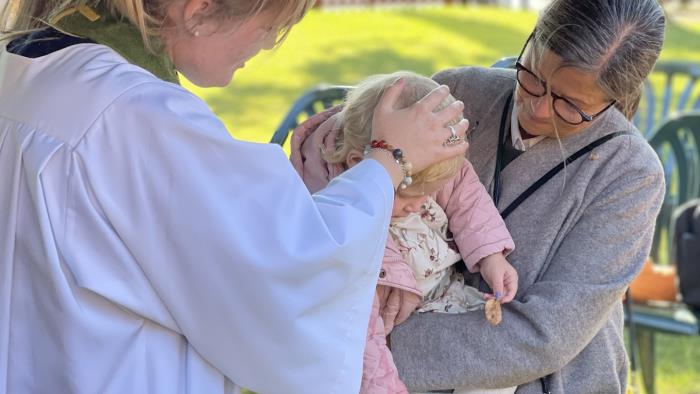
142,249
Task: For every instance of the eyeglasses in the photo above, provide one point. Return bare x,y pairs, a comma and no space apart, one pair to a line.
536,87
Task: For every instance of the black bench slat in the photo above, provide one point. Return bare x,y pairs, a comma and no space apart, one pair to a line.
672,319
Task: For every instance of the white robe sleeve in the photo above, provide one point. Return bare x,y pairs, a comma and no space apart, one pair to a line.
270,285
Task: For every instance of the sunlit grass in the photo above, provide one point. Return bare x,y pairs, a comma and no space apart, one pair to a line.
342,47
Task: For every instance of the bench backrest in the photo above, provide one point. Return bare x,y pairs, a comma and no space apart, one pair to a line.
315,100
671,88
677,142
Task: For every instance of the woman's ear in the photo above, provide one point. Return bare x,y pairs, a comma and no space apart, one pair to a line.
353,157
195,14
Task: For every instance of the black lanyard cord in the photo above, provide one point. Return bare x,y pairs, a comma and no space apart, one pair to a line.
499,151
554,171
502,140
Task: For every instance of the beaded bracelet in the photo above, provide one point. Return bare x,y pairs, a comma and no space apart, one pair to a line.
397,154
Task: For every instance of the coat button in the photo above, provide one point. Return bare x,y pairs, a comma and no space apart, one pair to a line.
382,273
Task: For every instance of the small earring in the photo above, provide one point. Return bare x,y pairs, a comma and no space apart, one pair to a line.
196,33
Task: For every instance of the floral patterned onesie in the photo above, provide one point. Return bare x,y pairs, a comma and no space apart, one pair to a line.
431,254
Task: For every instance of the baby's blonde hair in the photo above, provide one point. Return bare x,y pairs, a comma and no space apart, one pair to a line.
357,114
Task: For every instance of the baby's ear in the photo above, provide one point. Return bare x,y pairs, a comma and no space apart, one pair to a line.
353,157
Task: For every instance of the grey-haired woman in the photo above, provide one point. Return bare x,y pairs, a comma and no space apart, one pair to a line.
581,234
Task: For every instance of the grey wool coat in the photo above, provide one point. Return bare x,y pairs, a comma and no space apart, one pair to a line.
580,240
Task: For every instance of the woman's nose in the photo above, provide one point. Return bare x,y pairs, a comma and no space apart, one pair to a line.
541,107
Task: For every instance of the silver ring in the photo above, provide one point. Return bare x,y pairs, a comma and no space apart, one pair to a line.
453,139
453,131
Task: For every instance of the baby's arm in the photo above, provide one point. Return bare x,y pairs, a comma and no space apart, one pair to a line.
500,275
477,227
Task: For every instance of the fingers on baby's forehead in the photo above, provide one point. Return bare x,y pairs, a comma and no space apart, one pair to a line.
435,97
391,94
451,113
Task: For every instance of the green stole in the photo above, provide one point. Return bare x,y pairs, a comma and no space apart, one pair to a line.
123,37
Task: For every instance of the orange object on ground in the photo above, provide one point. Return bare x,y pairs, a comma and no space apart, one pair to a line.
654,283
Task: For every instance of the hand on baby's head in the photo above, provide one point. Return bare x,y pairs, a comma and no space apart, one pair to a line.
406,111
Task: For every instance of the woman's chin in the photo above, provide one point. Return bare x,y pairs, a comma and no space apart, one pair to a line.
227,80
213,81
535,127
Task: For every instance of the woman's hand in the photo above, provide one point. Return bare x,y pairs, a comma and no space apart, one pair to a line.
418,131
501,277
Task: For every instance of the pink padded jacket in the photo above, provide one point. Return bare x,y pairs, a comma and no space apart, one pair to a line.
474,221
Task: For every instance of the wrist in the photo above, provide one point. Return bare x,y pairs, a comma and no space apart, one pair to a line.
393,154
489,259
386,160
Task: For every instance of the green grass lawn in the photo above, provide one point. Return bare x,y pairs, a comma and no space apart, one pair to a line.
345,46
677,365
342,47
678,368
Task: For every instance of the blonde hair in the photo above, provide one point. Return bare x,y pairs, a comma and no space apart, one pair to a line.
149,16
357,114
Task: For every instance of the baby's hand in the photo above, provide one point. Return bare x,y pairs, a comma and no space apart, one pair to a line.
500,275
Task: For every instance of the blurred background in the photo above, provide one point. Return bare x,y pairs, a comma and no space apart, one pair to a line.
343,41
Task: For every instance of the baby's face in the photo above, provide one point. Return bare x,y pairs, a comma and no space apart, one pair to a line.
405,205
411,199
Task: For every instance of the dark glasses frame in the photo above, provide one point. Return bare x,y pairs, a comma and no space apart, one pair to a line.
519,67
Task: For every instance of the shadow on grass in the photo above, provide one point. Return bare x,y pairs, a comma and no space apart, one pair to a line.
497,36
226,100
352,68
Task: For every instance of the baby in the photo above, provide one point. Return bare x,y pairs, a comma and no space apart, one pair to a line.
442,217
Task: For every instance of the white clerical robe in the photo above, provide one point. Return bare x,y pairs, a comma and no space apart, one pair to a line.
143,250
